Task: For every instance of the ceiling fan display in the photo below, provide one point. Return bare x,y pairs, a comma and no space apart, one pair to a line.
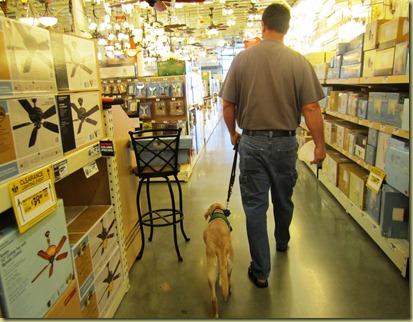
37,118
214,28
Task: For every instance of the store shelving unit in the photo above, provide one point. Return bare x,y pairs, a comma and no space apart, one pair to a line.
396,249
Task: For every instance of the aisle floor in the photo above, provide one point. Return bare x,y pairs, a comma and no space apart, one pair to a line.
332,268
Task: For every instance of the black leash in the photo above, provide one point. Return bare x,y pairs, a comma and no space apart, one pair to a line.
232,178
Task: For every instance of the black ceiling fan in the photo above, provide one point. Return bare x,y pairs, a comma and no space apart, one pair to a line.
36,116
83,115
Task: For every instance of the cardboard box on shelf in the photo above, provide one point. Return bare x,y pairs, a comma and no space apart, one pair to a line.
371,34
370,154
344,171
357,191
393,32
108,282
394,213
9,167
67,306
369,63
88,299
401,58
406,115
361,145
27,62
397,169
81,119
373,204
98,224
362,108
351,71
75,62
383,62
354,56
35,132
382,146
332,162
36,266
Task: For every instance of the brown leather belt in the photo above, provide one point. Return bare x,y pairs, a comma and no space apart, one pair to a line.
269,133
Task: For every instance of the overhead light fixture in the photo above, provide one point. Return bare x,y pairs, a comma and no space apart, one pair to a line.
48,19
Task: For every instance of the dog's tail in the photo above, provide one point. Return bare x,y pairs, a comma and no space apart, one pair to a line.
224,275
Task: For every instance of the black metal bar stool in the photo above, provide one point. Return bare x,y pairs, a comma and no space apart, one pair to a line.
156,152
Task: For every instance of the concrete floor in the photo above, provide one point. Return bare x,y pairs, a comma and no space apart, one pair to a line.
332,268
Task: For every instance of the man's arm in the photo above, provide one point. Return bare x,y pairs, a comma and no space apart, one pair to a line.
314,121
229,118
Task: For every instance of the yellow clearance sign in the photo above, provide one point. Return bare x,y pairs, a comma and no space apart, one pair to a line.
33,197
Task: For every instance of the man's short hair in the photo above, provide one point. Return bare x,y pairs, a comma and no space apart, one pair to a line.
277,17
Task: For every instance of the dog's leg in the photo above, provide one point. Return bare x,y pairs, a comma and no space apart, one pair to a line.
212,278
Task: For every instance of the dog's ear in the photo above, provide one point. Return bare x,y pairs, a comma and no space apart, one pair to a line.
211,208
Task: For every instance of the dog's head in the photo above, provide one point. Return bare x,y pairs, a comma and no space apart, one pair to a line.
215,207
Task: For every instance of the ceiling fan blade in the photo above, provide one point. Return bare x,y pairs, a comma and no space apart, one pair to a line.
61,243
111,224
27,106
91,121
74,70
160,6
21,125
80,127
51,126
122,3
51,270
92,110
73,105
33,137
61,256
43,254
49,112
86,69
40,273
44,45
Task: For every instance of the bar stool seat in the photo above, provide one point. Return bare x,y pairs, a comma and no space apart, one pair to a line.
156,152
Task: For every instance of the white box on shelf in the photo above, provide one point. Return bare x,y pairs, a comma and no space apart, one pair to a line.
75,62
108,282
26,60
36,266
81,119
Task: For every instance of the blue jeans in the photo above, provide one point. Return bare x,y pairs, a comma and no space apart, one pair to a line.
267,164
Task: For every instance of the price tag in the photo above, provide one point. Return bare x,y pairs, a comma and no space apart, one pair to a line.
33,197
375,179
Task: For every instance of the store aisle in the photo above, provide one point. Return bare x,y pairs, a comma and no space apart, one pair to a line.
332,268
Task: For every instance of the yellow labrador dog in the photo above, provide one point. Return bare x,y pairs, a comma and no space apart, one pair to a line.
219,252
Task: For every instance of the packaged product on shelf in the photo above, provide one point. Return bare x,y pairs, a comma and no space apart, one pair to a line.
160,107
351,71
353,100
401,58
373,204
81,119
27,62
152,90
145,110
164,88
176,107
397,166
393,32
331,165
383,62
406,115
369,58
75,62
372,137
344,172
362,107
357,191
177,88
342,102
30,134
361,145
371,34
356,43
394,213
36,266
382,147
353,57
140,91
371,154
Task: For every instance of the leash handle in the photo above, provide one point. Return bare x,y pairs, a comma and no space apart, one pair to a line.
232,178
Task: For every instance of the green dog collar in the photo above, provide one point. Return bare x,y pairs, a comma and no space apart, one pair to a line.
216,215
